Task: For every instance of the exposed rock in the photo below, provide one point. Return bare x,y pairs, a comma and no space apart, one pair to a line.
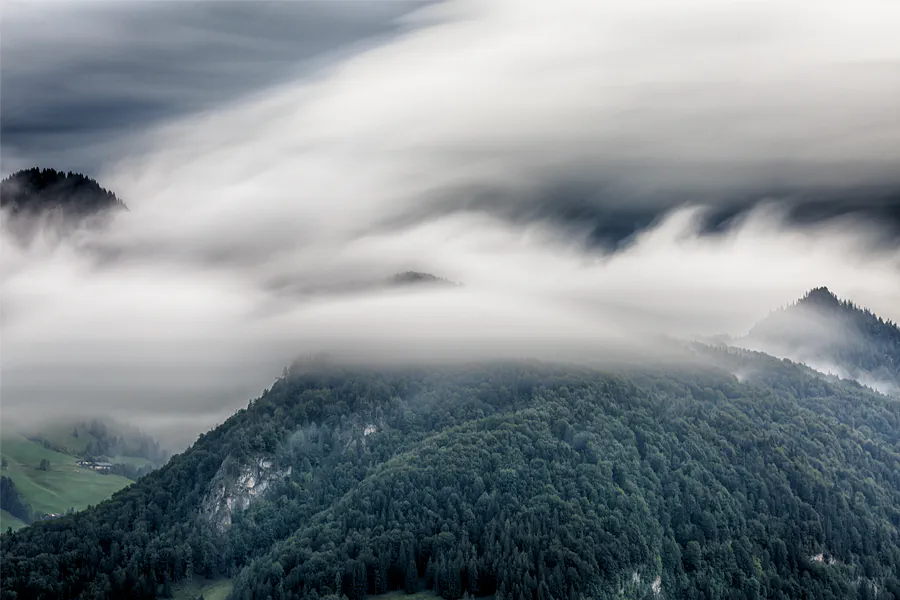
824,559
228,495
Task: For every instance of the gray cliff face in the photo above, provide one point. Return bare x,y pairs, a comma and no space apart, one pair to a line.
228,494
238,484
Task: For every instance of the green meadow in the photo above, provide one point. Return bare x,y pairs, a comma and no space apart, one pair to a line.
63,485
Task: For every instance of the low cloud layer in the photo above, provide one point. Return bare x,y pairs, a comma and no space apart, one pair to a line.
596,176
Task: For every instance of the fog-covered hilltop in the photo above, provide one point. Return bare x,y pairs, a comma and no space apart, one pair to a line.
36,190
833,335
750,477
35,198
417,278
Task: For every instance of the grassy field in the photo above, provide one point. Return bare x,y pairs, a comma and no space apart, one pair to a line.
211,589
63,486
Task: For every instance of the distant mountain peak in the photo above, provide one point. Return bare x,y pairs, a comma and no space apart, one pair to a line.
833,335
820,296
417,277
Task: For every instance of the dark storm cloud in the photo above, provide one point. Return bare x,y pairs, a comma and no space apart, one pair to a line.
608,217
76,78
878,208
610,230
80,87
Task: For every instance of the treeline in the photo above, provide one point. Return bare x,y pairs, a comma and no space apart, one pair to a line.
99,441
108,441
12,502
131,471
52,201
524,481
36,190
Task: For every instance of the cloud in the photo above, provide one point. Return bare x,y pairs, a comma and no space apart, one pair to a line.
506,145
602,117
84,79
172,346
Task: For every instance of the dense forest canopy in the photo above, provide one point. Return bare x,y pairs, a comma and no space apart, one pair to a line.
523,481
37,190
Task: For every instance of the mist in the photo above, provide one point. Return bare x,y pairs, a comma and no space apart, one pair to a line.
600,180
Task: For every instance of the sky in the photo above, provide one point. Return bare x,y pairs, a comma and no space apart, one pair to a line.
596,175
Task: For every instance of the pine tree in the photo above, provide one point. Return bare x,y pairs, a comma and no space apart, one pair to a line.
430,579
411,581
472,576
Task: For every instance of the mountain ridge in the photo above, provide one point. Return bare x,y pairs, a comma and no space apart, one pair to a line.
833,335
517,480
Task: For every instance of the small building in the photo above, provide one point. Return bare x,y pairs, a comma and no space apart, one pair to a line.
369,430
96,466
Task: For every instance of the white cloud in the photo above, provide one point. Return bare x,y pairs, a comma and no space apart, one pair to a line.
292,186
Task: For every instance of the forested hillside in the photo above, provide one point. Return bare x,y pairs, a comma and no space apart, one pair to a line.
834,335
521,481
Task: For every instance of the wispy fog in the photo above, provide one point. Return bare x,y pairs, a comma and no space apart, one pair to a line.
597,176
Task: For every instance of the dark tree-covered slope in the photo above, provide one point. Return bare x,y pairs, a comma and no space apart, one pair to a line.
523,481
38,197
834,335
12,502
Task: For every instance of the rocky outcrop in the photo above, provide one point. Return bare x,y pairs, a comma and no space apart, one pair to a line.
230,493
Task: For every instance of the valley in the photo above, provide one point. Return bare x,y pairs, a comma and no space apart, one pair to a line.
450,300
61,468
